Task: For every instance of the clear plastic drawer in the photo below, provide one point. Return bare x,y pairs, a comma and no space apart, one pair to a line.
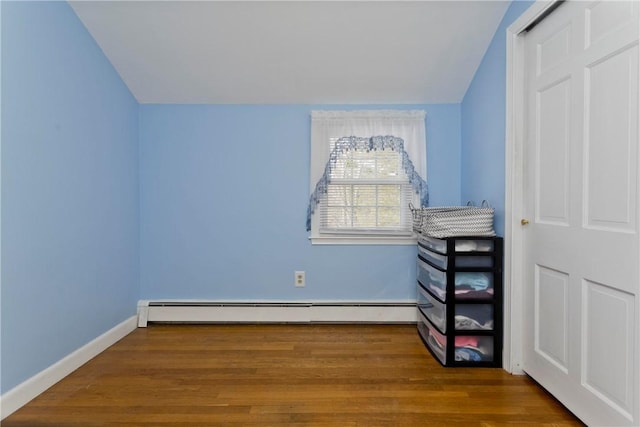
474,261
474,317
473,349
468,284
442,261
432,257
432,279
433,243
434,339
469,245
432,309
462,245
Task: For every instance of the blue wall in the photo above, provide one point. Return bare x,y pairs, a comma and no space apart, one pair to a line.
224,191
69,190
213,209
483,123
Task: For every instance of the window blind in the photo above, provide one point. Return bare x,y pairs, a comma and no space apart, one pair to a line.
368,193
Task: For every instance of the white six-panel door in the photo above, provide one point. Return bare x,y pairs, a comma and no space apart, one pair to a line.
581,257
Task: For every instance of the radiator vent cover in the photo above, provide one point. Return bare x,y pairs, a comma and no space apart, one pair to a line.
276,312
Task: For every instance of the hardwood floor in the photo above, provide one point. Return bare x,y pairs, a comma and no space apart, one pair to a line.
311,375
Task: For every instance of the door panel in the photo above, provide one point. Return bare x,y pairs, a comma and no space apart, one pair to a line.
608,374
602,20
580,191
552,164
552,320
553,50
610,140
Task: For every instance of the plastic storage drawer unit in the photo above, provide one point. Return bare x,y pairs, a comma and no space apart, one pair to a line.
459,293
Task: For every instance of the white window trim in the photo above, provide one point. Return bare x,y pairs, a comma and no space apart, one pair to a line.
365,240
320,155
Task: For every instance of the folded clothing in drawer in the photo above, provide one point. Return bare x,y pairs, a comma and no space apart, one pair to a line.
467,284
466,348
473,349
474,285
467,316
474,317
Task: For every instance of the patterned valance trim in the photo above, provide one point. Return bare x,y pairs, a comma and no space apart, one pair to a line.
350,143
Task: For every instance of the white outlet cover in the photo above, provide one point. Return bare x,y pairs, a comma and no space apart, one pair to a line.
299,279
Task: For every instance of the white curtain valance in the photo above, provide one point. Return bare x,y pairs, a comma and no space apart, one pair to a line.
374,143
409,125
368,114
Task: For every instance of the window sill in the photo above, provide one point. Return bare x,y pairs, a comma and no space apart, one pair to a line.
363,240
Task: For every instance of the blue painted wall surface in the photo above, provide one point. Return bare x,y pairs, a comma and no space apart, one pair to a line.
105,201
69,190
483,123
224,192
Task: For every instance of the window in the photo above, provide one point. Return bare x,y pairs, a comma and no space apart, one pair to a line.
365,193
363,176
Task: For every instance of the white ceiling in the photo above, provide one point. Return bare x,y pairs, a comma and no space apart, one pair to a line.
294,52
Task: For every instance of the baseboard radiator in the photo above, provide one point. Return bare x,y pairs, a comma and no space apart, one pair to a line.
275,312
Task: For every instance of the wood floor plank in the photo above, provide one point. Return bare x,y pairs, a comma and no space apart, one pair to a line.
289,375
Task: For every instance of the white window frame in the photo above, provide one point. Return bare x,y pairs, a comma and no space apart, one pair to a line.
326,125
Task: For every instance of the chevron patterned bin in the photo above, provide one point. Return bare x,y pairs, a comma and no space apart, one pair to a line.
454,221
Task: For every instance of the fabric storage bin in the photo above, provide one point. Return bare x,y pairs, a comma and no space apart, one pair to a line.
453,221
473,285
432,279
435,340
477,317
433,309
469,348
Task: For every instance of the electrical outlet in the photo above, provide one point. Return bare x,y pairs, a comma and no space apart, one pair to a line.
299,279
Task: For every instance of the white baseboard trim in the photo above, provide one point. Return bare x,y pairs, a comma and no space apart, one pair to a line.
23,393
189,311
